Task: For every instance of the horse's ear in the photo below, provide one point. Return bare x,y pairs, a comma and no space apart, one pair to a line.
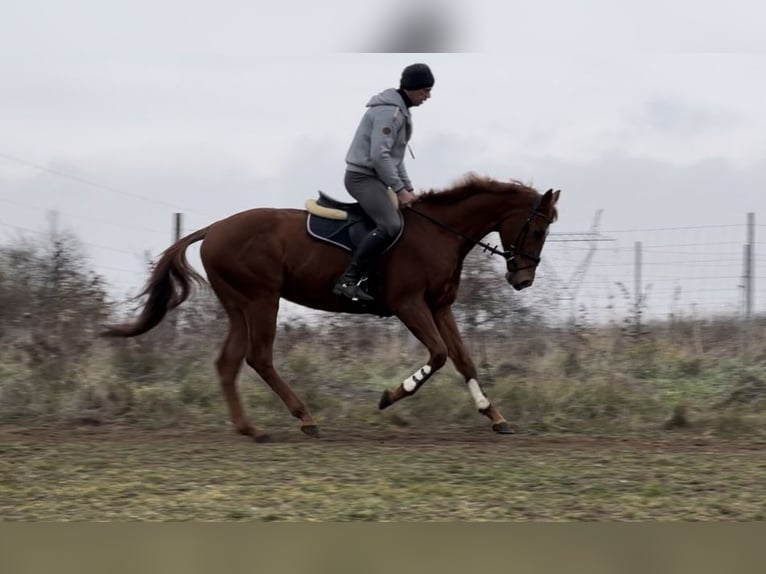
550,197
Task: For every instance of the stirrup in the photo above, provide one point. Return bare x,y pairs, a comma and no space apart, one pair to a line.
352,291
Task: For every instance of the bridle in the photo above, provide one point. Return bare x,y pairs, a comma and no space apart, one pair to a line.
516,248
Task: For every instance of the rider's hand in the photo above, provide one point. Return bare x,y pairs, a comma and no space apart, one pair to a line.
405,197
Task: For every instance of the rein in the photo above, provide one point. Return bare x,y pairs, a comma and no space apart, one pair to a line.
487,247
508,254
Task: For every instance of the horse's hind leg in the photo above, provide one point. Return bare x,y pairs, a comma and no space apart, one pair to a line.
229,364
262,327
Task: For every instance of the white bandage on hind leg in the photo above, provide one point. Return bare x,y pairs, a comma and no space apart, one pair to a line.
410,384
482,402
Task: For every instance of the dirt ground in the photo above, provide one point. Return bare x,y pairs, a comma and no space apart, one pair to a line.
211,474
443,438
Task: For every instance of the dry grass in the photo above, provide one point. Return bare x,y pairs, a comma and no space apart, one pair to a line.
544,381
406,476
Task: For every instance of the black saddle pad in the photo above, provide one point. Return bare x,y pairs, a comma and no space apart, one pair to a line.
343,233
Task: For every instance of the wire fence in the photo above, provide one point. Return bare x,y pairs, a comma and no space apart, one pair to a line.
683,271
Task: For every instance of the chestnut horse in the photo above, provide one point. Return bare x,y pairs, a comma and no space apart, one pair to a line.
254,258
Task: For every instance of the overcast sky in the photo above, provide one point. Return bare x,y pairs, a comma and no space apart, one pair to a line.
119,114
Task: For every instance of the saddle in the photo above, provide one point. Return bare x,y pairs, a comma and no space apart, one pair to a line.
345,225
339,223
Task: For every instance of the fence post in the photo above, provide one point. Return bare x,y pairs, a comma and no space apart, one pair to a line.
177,229
749,281
637,286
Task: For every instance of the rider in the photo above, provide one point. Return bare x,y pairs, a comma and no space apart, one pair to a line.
374,164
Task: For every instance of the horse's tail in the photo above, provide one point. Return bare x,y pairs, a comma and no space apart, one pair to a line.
170,285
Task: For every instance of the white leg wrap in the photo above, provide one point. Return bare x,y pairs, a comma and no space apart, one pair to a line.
482,402
411,383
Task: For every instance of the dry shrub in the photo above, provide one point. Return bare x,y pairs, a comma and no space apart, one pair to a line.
546,376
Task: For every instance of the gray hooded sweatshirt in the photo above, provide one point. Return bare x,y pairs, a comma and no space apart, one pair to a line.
381,140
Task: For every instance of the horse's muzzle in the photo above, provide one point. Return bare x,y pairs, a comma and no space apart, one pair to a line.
518,284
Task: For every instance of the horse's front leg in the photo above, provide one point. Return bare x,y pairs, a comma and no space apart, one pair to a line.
445,323
417,317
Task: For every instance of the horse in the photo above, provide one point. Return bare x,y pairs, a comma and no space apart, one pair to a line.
256,257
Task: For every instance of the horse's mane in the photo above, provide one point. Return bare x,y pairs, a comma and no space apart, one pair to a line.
470,185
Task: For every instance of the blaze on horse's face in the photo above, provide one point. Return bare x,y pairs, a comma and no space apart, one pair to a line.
523,240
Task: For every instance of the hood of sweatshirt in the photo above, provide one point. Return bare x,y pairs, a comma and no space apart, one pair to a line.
389,97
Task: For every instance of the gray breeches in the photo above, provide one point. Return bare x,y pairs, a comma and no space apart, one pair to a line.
372,195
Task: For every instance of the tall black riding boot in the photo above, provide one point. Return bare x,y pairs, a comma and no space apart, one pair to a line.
365,256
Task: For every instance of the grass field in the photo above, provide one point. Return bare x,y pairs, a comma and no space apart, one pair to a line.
376,475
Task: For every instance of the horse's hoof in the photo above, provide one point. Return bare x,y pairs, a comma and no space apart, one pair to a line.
503,428
310,430
245,430
262,437
385,400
